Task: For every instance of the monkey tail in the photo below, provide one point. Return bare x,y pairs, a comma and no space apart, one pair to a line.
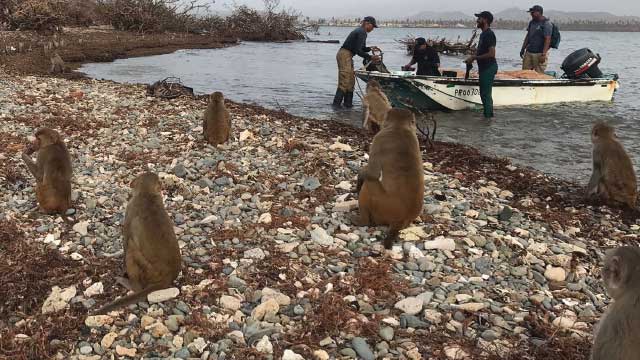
129,299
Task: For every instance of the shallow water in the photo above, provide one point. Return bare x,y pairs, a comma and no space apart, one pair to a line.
301,79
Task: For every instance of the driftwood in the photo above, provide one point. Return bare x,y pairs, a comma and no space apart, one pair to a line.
444,46
324,41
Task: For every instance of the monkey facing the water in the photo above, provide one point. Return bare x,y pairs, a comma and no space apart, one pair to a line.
57,64
151,253
613,180
618,334
52,171
375,105
391,186
217,121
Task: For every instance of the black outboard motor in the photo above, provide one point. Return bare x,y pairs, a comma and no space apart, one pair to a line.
581,64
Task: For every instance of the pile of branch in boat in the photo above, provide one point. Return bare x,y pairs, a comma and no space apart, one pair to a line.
444,46
324,41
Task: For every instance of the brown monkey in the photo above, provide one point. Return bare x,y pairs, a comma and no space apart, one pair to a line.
151,253
618,335
375,105
391,186
57,64
217,121
52,171
613,179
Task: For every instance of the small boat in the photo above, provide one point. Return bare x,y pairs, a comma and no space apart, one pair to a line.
423,93
582,82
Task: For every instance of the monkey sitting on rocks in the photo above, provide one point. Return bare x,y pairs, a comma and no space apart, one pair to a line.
391,186
216,127
375,105
618,334
52,171
613,180
58,65
151,253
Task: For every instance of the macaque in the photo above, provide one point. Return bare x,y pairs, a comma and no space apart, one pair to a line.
375,105
57,64
613,180
216,127
52,171
391,186
151,253
618,334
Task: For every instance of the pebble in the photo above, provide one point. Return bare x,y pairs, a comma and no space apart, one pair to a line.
386,333
81,228
58,299
362,348
94,289
108,340
230,302
320,237
97,321
256,254
410,305
290,355
440,243
264,346
320,355
123,351
163,295
555,274
266,309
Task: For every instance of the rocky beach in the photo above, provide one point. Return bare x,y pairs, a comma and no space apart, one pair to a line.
504,262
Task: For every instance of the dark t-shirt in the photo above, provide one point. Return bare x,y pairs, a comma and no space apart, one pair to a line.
487,40
537,31
427,61
356,42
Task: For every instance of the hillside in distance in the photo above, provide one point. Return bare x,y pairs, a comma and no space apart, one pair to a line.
516,14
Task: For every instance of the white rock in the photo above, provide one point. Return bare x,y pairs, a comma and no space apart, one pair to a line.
320,355
58,300
345,206
245,135
123,351
472,214
288,247
290,355
463,298
209,219
415,253
199,344
455,352
411,305
255,253
344,185
268,308
555,274
564,322
230,302
264,346
433,316
98,321
93,290
237,336
505,194
77,257
265,218
338,146
320,237
280,298
414,233
163,295
471,307
49,238
108,340
81,228
178,341
440,243
157,330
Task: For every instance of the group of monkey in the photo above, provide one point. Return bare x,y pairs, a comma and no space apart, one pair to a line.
390,192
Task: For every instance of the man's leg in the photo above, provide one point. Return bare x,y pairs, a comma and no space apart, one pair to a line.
343,75
486,78
351,84
540,66
527,62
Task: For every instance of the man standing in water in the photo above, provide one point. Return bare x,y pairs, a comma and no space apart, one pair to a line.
355,44
486,58
537,43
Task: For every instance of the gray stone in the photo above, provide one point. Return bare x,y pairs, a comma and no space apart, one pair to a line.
490,335
182,353
386,333
505,214
180,171
311,183
410,321
362,348
349,352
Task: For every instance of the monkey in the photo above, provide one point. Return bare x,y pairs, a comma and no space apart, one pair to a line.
52,171
375,105
618,334
57,64
151,253
216,126
613,180
391,186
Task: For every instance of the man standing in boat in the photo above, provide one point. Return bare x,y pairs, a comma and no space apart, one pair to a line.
537,42
486,59
355,44
426,57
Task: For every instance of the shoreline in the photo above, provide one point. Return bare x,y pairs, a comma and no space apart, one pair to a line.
507,225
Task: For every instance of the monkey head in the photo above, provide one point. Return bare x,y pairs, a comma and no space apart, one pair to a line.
372,85
400,118
217,97
147,183
601,130
43,137
620,271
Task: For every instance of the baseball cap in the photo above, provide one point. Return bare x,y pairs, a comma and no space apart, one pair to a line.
537,8
486,15
371,20
421,41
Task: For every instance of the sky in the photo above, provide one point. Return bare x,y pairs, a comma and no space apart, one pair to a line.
404,8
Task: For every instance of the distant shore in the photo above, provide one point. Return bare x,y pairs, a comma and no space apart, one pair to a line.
510,26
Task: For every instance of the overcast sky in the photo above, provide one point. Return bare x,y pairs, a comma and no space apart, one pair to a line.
402,8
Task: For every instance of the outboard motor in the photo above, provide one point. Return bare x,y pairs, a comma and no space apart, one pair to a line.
581,64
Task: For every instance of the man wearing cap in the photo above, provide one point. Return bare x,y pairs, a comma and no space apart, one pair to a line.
486,58
537,43
355,44
426,57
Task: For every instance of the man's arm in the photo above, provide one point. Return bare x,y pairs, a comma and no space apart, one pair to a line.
361,47
525,43
547,30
